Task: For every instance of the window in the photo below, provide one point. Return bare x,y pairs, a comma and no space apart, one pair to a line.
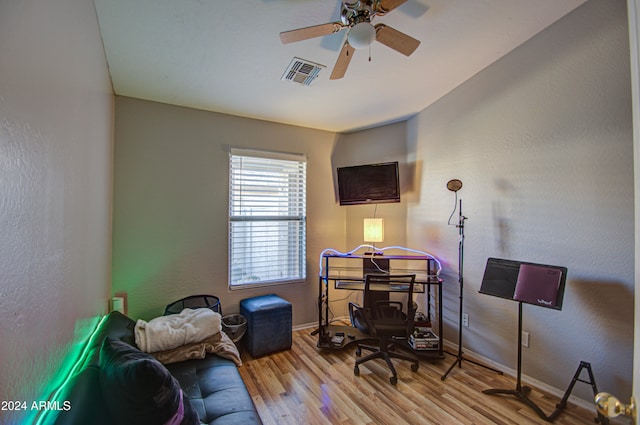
267,218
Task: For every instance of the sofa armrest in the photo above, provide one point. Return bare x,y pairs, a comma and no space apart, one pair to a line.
85,398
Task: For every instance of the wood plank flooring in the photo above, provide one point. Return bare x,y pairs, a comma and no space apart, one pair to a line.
306,385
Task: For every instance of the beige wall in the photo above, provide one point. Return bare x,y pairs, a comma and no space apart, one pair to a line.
542,141
171,204
56,117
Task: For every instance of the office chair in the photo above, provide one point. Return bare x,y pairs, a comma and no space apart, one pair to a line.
387,321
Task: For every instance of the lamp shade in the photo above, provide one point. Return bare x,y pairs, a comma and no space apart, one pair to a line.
373,230
361,35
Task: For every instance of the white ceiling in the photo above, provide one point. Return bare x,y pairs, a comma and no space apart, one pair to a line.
226,55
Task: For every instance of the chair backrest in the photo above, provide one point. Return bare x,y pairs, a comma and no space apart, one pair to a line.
378,287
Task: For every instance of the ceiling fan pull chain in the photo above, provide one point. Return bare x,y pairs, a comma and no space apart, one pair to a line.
369,52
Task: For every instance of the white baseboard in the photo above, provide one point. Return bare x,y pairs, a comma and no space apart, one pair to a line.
305,326
586,404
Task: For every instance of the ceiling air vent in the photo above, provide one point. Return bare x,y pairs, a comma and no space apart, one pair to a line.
302,71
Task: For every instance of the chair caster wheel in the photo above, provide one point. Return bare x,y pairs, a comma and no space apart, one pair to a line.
393,380
356,371
414,367
358,352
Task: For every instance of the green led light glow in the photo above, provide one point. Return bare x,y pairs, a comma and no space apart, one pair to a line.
74,363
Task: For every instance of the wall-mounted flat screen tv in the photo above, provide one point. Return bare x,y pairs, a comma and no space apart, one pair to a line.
369,184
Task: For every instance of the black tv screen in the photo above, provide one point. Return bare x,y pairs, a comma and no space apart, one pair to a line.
369,184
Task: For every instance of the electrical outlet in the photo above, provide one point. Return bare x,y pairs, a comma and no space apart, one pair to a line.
465,320
525,339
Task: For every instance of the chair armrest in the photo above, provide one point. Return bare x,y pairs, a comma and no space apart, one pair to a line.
352,309
360,318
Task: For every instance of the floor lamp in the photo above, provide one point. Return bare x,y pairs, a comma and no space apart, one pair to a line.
455,185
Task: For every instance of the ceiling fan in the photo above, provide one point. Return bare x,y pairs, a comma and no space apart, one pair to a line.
356,16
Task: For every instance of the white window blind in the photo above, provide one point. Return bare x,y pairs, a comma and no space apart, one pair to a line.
267,217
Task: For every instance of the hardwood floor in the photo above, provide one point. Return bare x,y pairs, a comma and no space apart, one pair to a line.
306,385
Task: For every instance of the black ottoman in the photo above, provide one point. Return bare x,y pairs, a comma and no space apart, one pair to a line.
269,324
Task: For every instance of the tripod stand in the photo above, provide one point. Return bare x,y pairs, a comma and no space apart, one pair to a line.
460,355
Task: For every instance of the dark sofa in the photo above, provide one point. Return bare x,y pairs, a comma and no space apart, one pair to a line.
213,385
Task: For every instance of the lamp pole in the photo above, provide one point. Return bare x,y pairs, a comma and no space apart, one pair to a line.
455,185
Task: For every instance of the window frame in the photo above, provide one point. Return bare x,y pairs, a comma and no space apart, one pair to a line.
296,190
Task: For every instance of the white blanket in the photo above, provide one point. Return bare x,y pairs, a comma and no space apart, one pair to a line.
168,332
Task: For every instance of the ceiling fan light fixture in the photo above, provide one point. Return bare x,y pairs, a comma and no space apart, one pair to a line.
361,35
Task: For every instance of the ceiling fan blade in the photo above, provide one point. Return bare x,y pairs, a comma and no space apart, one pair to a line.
385,6
343,61
397,40
310,32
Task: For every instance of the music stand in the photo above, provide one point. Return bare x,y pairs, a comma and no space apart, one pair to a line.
526,283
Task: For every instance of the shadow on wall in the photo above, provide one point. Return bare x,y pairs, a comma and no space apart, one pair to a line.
410,178
502,209
431,233
610,304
